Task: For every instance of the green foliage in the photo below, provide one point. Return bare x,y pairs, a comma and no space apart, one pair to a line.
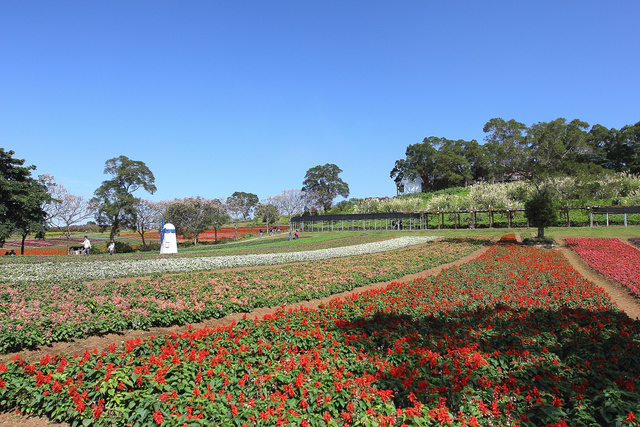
114,198
540,211
193,215
541,152
323,180
269,213
243,204
440,163
22,198
122,247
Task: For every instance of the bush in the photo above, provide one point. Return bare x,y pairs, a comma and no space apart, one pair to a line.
121,248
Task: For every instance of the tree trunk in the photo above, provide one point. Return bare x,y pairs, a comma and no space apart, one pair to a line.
541,232
24,236
68,236
144,245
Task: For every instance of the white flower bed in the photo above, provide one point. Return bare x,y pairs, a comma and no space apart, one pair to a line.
97,270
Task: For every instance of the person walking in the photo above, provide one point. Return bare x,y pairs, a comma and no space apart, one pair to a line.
86,246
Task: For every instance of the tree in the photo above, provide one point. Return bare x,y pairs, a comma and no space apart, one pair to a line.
65,209
32,218
312,203
114,198
600,140
268,211
193,215
235,211
220,218
507,148
148,216
419,162
440,163
629,143
21,198
452,167
556,149
324,180
244,202
240,206
540,210
290,202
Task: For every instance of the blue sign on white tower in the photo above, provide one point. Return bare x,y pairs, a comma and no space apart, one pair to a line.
168,240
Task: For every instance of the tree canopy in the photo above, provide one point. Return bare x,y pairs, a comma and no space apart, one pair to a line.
116,204
323,180
440,163
514,151
22,198
243,204
65,209
193,215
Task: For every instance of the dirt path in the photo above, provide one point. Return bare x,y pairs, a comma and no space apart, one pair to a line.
626,301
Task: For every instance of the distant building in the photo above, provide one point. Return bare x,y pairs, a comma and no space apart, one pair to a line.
411,186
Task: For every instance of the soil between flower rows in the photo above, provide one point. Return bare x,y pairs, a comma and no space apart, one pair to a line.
623,298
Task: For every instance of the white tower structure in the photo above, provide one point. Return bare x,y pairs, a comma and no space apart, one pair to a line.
168,239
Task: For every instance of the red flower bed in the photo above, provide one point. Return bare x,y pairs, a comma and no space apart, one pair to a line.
513,338
225,232
611,257
46,251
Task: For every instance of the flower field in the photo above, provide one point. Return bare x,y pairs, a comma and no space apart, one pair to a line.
514,338
611,257
37,313
80,269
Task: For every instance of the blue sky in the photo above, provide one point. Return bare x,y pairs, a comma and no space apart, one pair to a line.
224,96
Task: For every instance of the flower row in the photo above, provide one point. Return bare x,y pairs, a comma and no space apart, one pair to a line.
611,257
40,312
108,269
515,337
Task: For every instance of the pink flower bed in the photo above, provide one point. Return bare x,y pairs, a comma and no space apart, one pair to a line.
33,243
611,257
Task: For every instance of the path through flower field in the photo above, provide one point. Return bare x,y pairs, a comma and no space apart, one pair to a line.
622,297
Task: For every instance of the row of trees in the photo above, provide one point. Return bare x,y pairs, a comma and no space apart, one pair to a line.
513,150
29,205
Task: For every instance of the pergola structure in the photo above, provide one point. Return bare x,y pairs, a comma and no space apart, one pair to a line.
612,210
353,222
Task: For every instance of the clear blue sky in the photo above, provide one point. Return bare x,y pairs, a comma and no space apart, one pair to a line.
224,96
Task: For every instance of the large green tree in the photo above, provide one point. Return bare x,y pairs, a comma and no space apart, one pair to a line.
507,148
618,150
440,163
323,180
116,204
22,198
192,215
419,162
556,148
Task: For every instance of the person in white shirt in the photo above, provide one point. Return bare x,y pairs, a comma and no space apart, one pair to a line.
87,245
